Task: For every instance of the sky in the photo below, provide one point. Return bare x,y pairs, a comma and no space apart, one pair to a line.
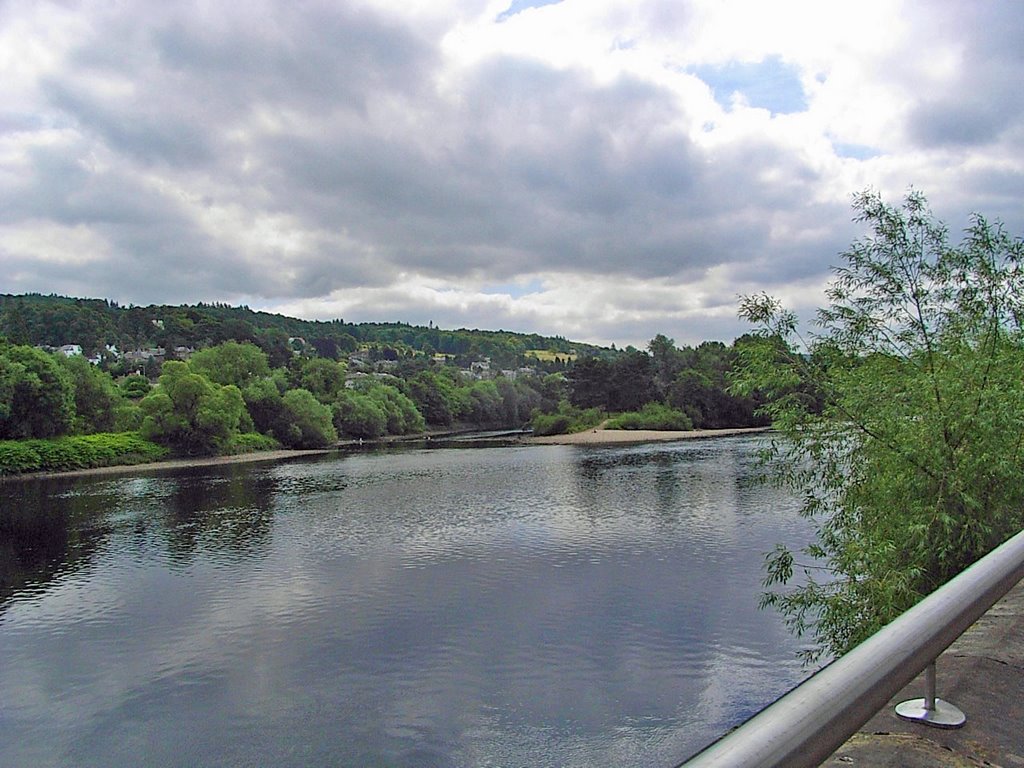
595,169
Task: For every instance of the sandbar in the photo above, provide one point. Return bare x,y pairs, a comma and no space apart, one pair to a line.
628,436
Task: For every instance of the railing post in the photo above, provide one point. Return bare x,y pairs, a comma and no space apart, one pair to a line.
931,710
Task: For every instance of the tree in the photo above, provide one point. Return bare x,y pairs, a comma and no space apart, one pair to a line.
309,419
231,363
37,397
134,386
189,413
902,421
668,361
265,405
275,345
96,396
324,378
401,413
359,415
435,397
589,383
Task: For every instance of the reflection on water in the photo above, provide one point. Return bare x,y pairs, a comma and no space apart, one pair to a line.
458,607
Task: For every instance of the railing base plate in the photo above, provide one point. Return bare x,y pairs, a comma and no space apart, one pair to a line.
943,715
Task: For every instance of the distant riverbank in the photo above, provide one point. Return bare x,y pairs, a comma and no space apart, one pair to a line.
594,437
627,436
196,461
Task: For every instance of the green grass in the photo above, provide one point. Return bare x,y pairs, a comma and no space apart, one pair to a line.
548,356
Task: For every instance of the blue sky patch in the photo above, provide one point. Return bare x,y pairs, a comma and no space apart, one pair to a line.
854,151
515,290
518,6
769,84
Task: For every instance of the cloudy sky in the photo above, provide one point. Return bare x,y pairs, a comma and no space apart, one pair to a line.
604,170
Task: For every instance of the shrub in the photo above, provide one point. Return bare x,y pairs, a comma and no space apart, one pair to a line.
251,442
61,454
654,416
566,419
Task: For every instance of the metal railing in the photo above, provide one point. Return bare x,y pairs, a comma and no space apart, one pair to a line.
810,722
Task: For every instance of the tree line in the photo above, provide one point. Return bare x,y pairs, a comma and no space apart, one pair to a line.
229,396
95,324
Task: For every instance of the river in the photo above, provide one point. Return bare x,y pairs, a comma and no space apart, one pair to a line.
495,606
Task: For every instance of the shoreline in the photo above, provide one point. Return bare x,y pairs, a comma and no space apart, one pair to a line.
635,436
197,461
591,437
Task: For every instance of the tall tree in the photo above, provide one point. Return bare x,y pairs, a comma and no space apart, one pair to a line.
189,413
37,397
902,421
96,396
231,363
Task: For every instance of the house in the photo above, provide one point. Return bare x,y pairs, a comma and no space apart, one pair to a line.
71,350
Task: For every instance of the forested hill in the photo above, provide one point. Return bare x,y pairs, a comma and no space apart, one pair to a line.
95,323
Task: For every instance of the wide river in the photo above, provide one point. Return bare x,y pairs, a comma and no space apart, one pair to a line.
501,606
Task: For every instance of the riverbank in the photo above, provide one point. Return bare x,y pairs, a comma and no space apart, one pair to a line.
197,461
592,437
632,436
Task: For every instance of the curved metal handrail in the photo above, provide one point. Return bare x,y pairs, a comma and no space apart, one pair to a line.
814,719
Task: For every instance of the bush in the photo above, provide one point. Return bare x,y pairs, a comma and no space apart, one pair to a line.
17,456
61,454
567,419
551,424
359,415
655,416
309,421
251,442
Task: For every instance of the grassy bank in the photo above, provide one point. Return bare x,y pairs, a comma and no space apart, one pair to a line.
62,454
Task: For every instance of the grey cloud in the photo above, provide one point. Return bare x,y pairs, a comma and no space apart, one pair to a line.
328,118
328,53
539,170
985,99
529,169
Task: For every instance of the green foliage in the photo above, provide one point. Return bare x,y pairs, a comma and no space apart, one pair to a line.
78,452
400,413
134,386
566,420
436,397
231,363
485,403
250,442
324,378
358,415
190,414
375,410
309,421
624,384
57,320
37,397
902,425
652,416
97,397
127,416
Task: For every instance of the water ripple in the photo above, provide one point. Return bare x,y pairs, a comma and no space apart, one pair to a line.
457,607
